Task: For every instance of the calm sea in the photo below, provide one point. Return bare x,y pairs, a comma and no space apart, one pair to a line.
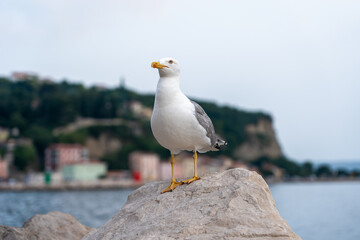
313,210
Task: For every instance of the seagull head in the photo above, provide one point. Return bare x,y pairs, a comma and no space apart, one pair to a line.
168,67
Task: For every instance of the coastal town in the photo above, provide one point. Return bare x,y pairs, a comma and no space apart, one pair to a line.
69,166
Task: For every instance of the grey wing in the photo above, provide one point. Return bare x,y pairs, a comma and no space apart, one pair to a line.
205,121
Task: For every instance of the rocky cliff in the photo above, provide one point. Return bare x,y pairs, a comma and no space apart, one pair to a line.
104,144
259,139
261,142
235,204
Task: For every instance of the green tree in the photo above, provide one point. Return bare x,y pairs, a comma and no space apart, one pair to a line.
17,120
323,171
42,138
2,151
24,156
306,169
355,173
342,172
78,136
291,167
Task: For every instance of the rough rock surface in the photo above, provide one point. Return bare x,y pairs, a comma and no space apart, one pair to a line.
261,142
53,225
235,204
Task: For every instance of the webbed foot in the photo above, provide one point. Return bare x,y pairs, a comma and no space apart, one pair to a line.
172,186
188,181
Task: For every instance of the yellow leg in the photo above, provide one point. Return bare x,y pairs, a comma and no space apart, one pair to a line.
174,183
195,173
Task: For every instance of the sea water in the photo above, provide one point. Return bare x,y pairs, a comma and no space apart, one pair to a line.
317,210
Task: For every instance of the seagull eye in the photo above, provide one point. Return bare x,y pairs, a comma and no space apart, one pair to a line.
171,61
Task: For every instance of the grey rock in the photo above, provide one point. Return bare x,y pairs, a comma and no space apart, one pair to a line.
261,142
235,204
53,225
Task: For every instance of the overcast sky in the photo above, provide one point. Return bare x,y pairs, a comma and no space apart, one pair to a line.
297,60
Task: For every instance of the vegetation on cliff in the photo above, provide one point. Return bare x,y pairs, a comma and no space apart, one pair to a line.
37,107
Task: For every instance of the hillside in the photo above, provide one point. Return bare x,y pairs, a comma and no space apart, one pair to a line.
116,120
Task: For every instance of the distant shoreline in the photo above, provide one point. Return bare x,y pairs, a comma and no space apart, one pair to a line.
316,180
74,186
98,186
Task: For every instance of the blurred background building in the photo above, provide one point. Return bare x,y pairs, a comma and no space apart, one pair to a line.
59,155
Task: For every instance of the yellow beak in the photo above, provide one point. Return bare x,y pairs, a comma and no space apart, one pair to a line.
158,65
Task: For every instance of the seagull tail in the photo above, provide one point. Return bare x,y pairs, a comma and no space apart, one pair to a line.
219,144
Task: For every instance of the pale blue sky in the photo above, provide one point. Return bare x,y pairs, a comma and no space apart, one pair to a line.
298,60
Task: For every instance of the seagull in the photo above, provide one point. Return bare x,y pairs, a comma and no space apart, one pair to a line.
177,123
